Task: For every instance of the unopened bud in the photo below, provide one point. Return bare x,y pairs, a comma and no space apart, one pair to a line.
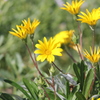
75,39
52,70
40,81
41,94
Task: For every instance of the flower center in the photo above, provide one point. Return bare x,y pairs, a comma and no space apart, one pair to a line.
47,52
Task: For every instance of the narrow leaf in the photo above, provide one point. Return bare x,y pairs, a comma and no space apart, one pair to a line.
18,87
80,96
87,83
5,96
76,70
30,88
67,89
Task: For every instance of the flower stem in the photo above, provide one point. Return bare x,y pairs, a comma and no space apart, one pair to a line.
54,87
46,93
32,37
35,64
70,56
79,52
57,67
93,40
93,37
80,40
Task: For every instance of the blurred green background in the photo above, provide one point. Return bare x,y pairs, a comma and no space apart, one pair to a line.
15,62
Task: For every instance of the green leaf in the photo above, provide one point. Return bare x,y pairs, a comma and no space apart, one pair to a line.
52,96
82,73
18,87
87,83
31,88
80,96
67,89
77,71
5,96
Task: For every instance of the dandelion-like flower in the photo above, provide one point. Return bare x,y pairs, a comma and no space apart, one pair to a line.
30,27
47,50
90,18
64,37
93,56
20,33
74,7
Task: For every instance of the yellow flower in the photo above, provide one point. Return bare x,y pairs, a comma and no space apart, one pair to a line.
74,46
64,37
30,27
21,33
92,99
74,7
96,99
47,50
93,56
90,18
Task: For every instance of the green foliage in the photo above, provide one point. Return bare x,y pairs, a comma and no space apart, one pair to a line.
88,83
81,81
79,70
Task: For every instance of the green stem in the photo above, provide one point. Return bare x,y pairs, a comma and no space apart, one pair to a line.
93,40
93,37
79,52
57,67
35,64
70,56
46,93
80,40
54,87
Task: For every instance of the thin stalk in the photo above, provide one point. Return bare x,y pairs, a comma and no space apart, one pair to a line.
80,40
46,93
57,67
35,64
79,52
93,36
54,87
70,56
93,40
33,50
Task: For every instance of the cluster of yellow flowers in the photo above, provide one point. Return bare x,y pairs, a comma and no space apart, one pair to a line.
26,28
48,48
90,18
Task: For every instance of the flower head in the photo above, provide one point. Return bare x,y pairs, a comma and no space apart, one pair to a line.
90,18
64,37
74,46
74,7
98,99
21,33
93,56
47,50
30,27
